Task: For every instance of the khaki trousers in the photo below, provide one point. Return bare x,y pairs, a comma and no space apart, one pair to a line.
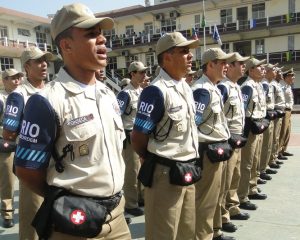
247,162
131,186
230,203
114,228
267,145
285,132
29,203
169,209
7,180
276,135
217,225
207,197
255,166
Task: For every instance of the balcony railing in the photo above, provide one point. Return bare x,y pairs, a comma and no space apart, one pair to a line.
4,41
240,25
280,57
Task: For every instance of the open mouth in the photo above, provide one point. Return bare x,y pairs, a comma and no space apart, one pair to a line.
101,52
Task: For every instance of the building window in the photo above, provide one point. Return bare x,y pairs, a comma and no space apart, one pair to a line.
41,39
260,46
24,32
129,30
109,33
225,47
258,11
197,21
130,59
6,63
3,31
226,16
150,59
291,42
148,28
112,63
168,25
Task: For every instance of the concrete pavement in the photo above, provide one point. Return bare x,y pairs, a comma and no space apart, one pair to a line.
277,217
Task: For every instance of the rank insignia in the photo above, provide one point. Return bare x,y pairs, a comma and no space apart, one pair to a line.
83,150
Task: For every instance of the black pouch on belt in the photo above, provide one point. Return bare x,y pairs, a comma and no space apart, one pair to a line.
219,151
146,172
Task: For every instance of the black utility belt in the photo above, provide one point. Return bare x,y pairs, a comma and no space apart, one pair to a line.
288,109
109,202
169,162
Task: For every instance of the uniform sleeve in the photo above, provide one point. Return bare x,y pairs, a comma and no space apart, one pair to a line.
224,92
13,112
37,134
266,88
202,99
247,92
123,101
1,107
150,110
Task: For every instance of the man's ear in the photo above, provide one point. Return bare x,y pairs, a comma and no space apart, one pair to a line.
65,44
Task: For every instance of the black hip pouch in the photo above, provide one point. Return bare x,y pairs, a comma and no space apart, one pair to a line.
185,173
78,216
219,151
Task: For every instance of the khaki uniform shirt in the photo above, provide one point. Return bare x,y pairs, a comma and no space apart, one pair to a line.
174,135
254,107
129,113
288,95
90,121
278,95
213,127
270,100
234,106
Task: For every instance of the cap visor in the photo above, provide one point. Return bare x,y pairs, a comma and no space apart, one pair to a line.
104,23
191,44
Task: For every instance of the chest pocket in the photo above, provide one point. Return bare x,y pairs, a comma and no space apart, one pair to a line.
119,130
177,116
82,138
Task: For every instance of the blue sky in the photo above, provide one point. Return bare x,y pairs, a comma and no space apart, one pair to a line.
44,7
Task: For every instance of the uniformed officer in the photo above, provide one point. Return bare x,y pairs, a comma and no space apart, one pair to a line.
124,82
100,75
146,82
74,128
288,81
234,112
165,137
35,63
271,115
212,128
128,100
11,79
280,110
254,111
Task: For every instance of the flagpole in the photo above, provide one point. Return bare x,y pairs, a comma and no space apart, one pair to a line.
203,17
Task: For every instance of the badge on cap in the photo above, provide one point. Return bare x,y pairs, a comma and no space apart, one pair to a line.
83,150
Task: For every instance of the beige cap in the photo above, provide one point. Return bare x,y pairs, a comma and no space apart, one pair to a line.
35,53
236,57
77,15
124,82
136,67
253,62
270,66
11,72
288,72
174,39
212,54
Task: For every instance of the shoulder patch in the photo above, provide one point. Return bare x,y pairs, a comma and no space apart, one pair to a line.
37,133
13,112
123,99
150,109
202,99
224,92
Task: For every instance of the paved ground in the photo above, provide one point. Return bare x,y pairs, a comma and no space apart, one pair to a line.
276,218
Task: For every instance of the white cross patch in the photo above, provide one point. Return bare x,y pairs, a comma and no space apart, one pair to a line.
78,217
188,177
220,151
